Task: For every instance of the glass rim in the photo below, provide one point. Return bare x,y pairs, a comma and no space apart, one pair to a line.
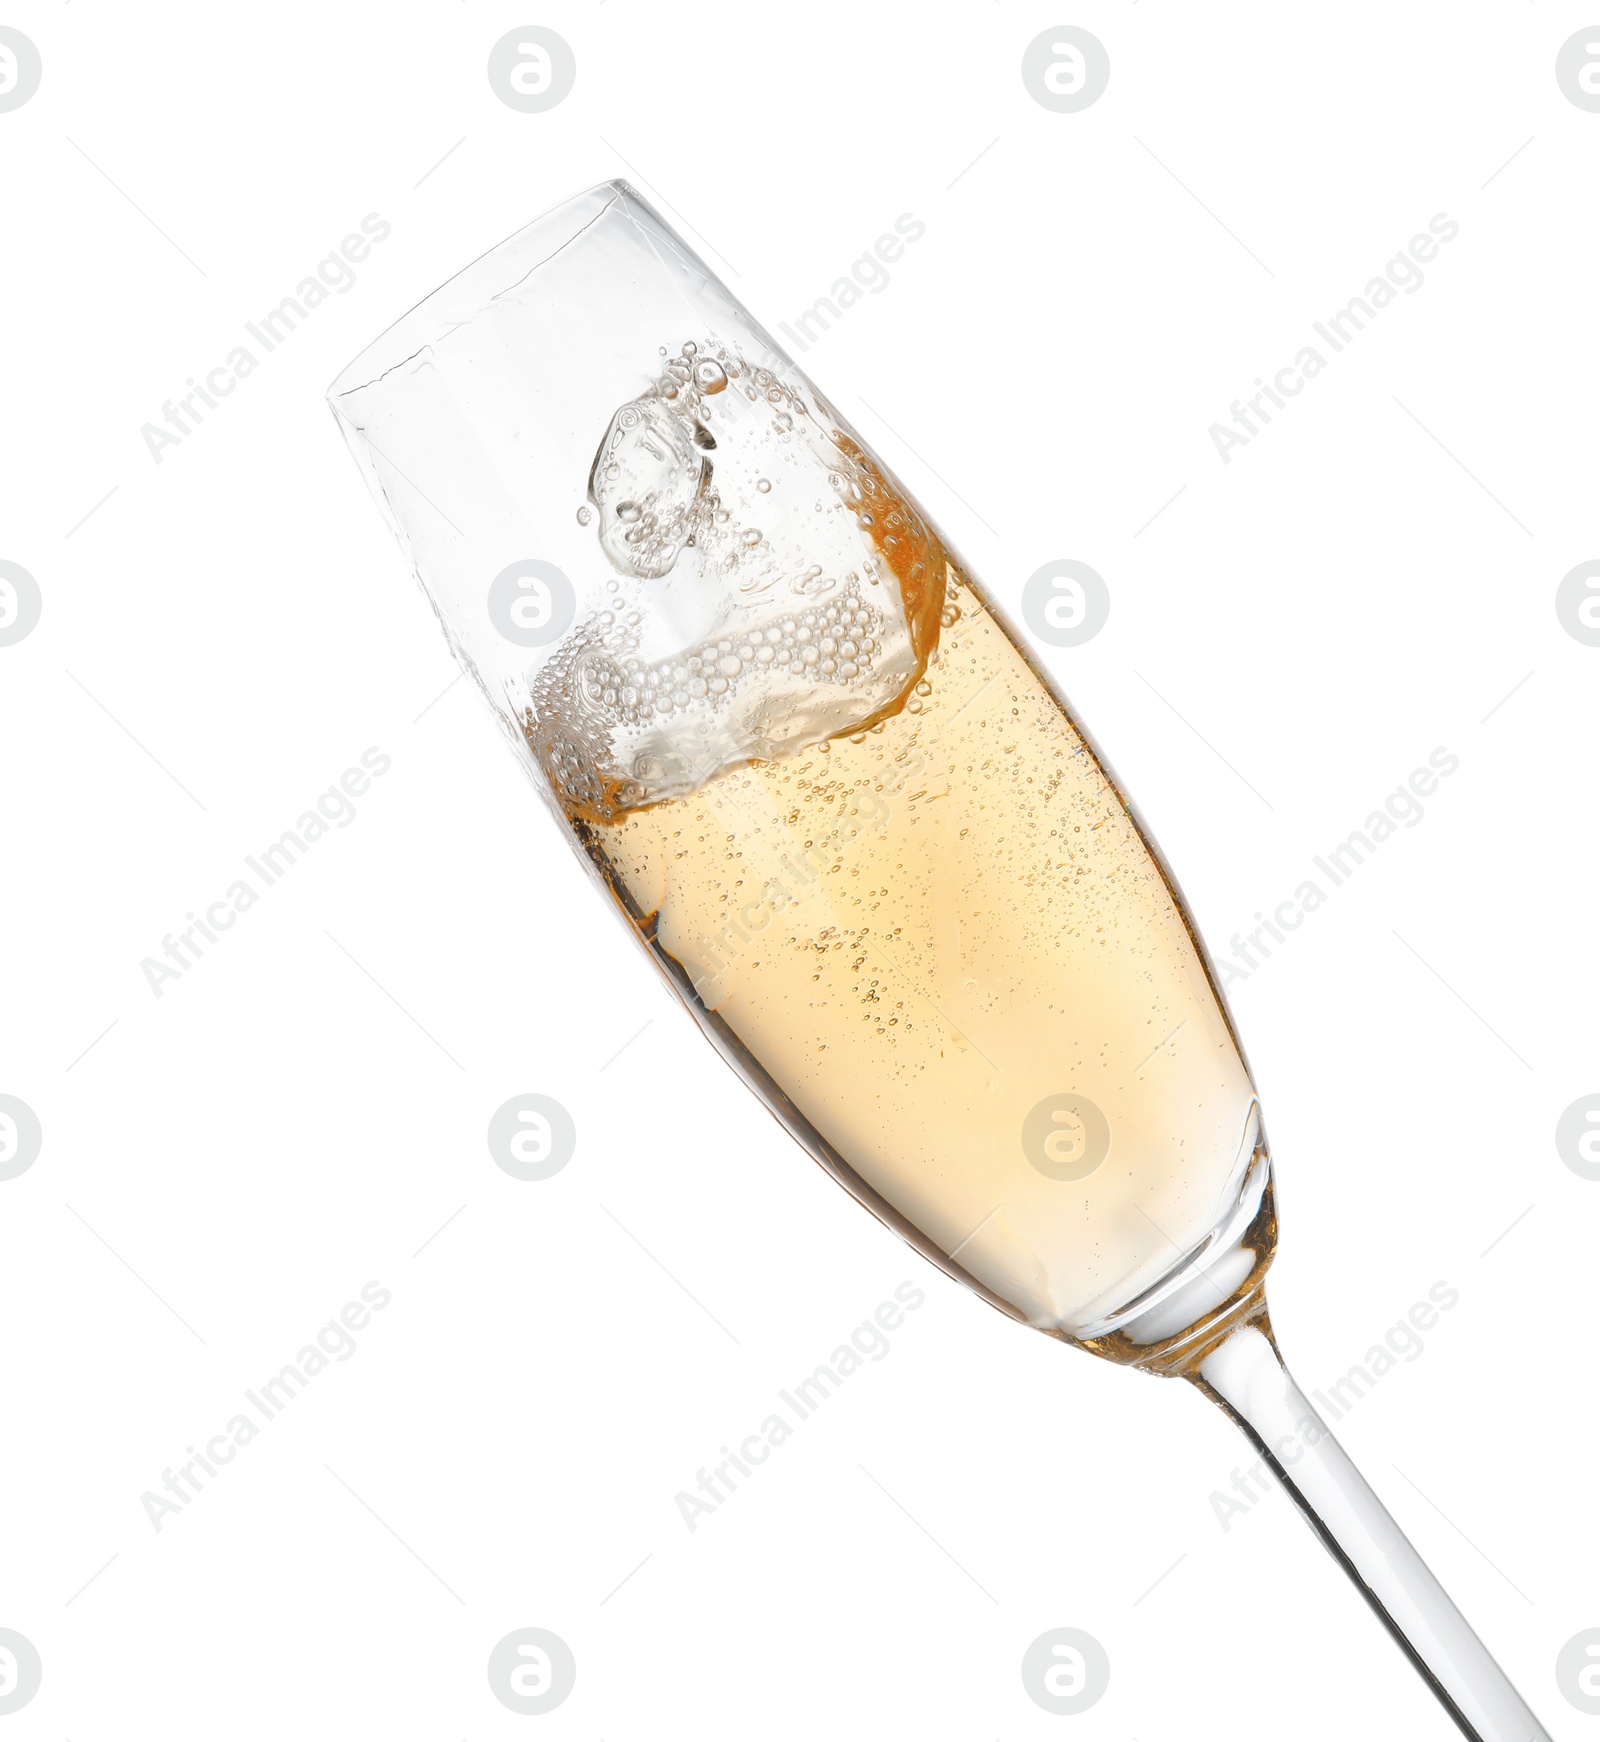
453,303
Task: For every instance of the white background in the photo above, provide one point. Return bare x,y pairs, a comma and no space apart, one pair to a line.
227,631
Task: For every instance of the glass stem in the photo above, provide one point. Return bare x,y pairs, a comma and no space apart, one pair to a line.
1245,1375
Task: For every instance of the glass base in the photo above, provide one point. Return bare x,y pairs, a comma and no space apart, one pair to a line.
1208,1295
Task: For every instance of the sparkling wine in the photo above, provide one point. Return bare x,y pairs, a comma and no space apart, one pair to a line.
881,861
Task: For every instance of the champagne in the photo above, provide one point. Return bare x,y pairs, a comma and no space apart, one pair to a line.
933,935
884,867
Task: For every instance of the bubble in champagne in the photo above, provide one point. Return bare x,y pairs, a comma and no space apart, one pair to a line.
743,628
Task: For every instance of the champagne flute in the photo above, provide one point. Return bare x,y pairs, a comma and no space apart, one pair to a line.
872,850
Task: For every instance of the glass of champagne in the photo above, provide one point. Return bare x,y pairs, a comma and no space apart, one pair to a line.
872,850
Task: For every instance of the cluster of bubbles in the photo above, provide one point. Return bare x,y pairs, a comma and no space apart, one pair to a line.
834,640
752,542
830,642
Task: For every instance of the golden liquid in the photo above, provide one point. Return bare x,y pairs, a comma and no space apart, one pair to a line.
910,937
